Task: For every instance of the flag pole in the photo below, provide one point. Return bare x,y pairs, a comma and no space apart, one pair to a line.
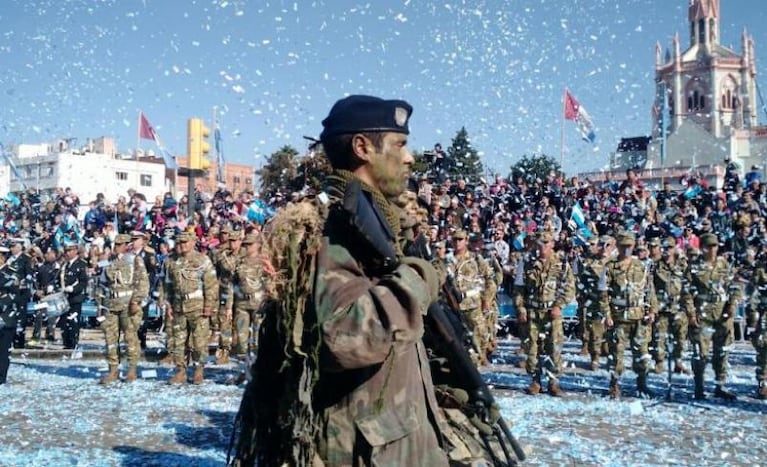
562,144
138,134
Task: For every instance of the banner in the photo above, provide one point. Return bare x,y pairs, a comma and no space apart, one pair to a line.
574,111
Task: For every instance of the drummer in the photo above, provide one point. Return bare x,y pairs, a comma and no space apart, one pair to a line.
48,283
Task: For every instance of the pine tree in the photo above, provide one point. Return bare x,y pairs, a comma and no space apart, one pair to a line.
280,169
463,160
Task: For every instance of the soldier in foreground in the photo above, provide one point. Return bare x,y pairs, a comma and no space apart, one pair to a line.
190,296
591,285
226,261
757,319
543,287
709,301
629,306
248,291
124,286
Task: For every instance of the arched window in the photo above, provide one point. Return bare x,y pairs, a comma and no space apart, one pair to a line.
689,104
729,93
702,31
702,101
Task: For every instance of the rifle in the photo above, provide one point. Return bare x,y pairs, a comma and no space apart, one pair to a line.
465,371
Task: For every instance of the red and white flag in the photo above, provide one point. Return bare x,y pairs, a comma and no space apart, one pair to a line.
146,130
575,112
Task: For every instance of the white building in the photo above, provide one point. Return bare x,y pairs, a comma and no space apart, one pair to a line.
88,171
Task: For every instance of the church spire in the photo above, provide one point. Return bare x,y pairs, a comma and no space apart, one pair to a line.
704,22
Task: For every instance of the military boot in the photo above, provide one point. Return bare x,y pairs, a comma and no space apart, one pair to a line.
615,389
113,375
131,376
595,364
223,357
554,388
535,386
179,377
167,359
584,349
642,389
700,394
660,367
762,392
721,392
198,375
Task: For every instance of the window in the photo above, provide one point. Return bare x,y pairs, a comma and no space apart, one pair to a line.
248,181
236,179
702,31
146,180
729,93
122,176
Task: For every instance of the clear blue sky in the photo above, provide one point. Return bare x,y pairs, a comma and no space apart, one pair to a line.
85,68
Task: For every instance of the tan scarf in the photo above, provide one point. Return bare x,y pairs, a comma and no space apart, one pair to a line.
340,179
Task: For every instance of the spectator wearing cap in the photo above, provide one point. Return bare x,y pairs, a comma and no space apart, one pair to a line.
74,283
629,306
543,287
709,301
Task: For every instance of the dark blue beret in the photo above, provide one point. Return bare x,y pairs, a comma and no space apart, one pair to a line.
359,114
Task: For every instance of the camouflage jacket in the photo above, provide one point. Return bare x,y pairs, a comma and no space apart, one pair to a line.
122,282
629,293
709,286
249,282
375,387
668,280
475,279
591,282
543,284
190,282
226,262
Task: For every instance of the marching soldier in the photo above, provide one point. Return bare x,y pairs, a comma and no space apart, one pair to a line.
226,263
629,306
215,256
757,319
190,295
47,283
124,285
74,283
9,314
543,286
671,321
148,256
248,291
475,282
591,286
709,301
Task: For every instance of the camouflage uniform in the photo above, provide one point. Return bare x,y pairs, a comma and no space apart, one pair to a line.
710,298
190,288
226,262
671,321
758,320
629,302
125,285
248,291
540,286
591,286
475,280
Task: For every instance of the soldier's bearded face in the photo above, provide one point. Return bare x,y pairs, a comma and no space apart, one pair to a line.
390,167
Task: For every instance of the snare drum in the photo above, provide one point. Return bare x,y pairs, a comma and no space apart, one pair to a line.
56,304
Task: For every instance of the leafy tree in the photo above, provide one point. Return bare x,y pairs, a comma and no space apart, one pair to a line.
421,165
311,171
538,166
279,170
463,160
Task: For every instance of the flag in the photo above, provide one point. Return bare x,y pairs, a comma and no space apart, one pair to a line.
578,223
12,166
519,242
258,211
146,130
575,112
170,161
219,143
